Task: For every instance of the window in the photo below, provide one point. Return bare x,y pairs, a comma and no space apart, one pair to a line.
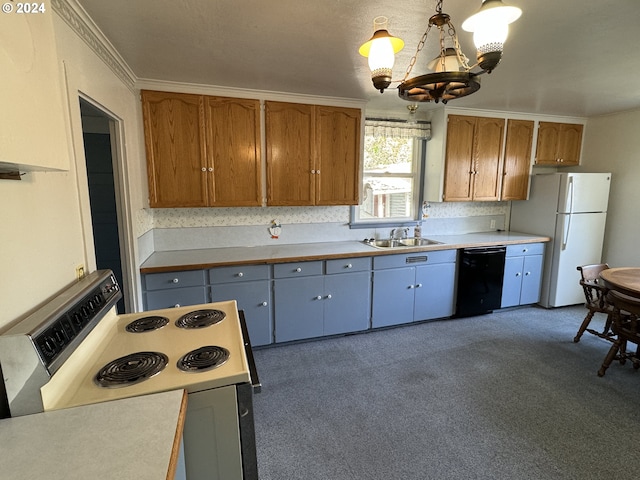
393,154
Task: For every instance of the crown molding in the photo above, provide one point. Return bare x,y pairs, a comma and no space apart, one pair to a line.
81,23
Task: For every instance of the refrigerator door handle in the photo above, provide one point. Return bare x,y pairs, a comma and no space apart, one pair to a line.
570,193
566,228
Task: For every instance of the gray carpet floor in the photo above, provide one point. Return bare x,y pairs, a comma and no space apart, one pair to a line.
501,396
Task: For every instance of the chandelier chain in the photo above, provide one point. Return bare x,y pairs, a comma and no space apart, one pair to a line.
415,56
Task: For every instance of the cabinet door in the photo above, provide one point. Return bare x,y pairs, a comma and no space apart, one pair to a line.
569,144
290,153
517,159
338,162
434,291
254,298
298,306
547,145
175,146
487,165
512,282
393,295
459,158
233,151
531,279
347,302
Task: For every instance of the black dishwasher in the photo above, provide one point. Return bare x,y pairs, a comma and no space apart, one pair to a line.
480,280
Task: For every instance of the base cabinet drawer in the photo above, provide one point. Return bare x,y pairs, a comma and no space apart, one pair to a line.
175,297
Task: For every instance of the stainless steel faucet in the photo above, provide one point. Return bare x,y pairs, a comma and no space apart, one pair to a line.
404,232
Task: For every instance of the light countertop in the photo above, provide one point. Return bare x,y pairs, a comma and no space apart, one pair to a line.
166,261
137,438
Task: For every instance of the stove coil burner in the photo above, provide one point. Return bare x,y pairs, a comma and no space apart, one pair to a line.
131,369
200,318
203,359
147,324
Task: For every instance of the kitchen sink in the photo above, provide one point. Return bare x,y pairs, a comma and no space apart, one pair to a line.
389,243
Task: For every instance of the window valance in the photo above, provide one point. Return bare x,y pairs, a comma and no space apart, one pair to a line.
397,128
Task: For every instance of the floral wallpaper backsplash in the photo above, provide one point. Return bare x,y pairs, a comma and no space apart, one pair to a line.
148,219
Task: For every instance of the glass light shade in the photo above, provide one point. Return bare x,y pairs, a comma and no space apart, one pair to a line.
490,39
492,14
381,54
451,62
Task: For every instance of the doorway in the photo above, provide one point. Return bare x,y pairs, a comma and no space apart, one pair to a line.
103,196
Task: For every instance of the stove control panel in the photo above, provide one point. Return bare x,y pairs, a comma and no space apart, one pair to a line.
75,322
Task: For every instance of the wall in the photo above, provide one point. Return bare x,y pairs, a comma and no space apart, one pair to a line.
612,144
45,227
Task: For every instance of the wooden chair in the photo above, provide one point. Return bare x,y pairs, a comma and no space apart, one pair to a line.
626,328
595,295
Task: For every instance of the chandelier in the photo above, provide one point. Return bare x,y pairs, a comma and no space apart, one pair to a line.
450,75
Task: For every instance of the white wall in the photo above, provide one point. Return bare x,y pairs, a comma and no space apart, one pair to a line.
612,144
45,225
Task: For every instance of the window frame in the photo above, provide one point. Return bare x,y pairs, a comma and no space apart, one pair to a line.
418,168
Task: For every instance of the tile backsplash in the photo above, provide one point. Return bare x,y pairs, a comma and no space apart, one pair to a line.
194,228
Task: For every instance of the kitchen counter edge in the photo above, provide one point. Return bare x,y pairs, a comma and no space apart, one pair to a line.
198,259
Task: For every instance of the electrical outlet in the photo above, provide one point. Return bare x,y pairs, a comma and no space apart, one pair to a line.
80,272
493,225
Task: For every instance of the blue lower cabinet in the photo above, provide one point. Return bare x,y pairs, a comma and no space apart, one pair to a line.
255,299
316,305
393,296
434,292
522,275
298,307
347,304
403,293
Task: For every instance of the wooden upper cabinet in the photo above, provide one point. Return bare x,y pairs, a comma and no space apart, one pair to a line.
290,153
338,159
517,158
559,144
202,151
459,158
233,151
473,159
313,154
175,145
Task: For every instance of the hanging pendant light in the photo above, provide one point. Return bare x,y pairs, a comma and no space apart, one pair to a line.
450,75
381,49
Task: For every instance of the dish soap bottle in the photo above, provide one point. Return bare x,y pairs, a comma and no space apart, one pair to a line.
417,231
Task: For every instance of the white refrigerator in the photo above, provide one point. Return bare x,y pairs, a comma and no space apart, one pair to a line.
571,208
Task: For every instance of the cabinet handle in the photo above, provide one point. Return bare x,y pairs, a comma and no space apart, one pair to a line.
298,269
518,274
211,169
175,280
419,285
240,274
525,250
318,172
349,265
411,286
313,172
176,305
329,296
319,297
204,169
264,304
527,274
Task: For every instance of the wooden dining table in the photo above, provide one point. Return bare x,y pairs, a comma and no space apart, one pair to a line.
623,279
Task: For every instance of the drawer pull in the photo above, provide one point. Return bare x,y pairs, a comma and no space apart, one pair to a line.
319,297
349,265
298,269
329,296
177,305
240,274
175,280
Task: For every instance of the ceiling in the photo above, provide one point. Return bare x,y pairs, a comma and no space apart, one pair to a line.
562,57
